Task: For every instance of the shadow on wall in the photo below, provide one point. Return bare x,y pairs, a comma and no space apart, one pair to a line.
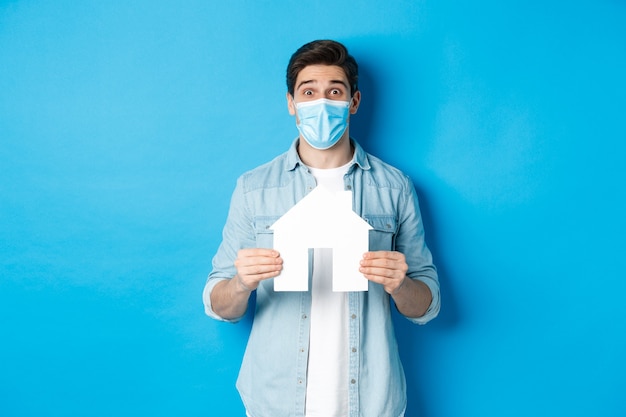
416,343
361,130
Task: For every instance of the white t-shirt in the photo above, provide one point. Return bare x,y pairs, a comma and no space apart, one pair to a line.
327,378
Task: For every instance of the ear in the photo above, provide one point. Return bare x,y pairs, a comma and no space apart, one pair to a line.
356,100
290,105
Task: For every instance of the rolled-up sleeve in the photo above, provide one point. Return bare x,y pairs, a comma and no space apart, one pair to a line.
237,234
410,240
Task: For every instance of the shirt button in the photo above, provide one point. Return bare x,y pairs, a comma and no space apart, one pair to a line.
353,381
304,317
348,187
353,350
353,316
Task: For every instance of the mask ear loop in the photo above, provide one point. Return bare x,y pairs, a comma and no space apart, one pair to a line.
351,104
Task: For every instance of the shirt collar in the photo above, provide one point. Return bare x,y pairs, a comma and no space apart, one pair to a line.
293,159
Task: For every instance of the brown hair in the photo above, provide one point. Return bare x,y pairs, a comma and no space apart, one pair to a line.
324,52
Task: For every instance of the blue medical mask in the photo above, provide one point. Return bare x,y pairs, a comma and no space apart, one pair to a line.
322,122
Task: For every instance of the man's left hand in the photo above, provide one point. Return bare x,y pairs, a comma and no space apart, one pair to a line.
386,268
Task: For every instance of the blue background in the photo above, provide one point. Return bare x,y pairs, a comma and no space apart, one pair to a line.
123,127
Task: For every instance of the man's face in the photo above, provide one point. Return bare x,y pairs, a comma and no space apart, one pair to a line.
322,81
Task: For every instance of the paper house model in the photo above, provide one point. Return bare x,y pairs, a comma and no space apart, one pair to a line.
322,219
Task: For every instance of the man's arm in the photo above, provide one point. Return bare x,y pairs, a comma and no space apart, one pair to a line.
412,297
229,298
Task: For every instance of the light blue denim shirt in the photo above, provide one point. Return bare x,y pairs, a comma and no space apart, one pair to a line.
272,380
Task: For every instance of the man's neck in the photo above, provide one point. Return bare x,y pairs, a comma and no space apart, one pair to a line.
337,156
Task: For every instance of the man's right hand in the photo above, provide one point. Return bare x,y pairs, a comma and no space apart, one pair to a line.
256,265
229,298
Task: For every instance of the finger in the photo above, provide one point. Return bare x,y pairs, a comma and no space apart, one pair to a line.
385,267
257,261
384,273
383,254
252,252
257,276
257,256
380,263
251,276
258,266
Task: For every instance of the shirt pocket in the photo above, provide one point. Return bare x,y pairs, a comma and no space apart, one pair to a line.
383,232
263,233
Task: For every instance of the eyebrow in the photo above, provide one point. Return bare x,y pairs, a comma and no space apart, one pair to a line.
315,81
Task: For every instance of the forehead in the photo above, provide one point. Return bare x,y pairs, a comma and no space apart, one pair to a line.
321,74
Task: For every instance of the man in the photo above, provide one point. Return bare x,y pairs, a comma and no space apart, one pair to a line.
319,352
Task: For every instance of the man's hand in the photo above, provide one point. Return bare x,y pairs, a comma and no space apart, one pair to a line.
229,298
256,265
412,297
385,268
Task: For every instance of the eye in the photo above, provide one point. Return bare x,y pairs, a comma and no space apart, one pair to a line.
307,92
336,92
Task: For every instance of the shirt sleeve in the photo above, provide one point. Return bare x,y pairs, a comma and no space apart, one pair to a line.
237,234
410,240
